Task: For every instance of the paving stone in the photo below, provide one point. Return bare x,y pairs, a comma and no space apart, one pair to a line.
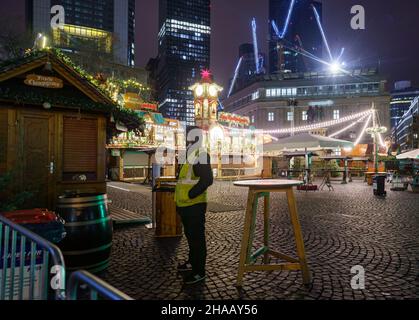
341,229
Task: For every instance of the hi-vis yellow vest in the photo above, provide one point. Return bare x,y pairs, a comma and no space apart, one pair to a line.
187,180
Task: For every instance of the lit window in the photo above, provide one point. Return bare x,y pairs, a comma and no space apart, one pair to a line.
255,95
336,114
252,119
304,116
290,116
271,117
268,92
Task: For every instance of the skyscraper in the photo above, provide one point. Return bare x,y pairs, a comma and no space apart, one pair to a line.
105,25
401,100
184,51
301,31
247,71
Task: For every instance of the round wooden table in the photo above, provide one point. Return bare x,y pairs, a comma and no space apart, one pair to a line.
262,189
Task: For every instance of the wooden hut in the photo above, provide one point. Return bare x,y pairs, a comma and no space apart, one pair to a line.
54,120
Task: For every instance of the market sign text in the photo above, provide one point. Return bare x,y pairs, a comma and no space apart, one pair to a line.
35,80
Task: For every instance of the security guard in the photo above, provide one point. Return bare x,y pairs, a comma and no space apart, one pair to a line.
195,177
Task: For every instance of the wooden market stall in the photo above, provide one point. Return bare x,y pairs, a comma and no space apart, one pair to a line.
54,123
133,156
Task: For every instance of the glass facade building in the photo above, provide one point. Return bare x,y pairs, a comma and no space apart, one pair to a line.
406,132
302,31
103,25
401,100
184,51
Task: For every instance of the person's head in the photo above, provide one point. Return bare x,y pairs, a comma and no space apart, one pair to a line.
194,136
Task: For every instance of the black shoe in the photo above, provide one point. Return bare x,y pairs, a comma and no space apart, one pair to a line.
193,279
184,267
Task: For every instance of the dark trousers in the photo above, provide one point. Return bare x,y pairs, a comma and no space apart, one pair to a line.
193,220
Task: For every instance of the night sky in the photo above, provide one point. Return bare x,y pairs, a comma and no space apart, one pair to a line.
391,35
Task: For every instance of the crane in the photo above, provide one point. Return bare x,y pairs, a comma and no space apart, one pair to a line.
236,73
255,45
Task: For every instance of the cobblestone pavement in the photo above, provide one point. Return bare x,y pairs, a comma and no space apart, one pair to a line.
341,229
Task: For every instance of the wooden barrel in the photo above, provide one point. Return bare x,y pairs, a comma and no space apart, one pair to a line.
88,224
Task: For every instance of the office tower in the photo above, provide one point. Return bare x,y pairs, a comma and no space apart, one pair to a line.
401,100
301,31
103,25
184,51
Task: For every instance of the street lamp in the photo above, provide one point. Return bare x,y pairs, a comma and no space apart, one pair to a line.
216,137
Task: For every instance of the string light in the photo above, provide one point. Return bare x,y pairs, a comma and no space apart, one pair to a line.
380,137
321,125
363,131
347,128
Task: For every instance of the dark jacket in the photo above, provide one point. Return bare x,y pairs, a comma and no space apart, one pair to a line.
206,178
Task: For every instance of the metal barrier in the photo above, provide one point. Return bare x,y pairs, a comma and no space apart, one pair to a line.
15,256
97,287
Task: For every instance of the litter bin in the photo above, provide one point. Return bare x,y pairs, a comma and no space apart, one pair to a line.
43,223
379,185
166,220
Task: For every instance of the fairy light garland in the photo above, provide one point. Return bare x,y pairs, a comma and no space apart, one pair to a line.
321,125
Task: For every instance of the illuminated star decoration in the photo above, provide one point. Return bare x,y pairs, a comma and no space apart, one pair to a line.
206,75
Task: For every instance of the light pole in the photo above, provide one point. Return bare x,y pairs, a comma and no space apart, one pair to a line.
375,131
217,136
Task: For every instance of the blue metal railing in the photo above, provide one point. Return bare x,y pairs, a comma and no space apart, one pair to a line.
25,272
97,287
16,244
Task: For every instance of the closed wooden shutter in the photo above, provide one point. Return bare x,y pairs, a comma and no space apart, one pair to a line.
3,139
80,145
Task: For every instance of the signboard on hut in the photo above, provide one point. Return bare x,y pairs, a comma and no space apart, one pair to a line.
233,120
35,80
135,102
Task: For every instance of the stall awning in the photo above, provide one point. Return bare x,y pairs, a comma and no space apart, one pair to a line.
158,118
305,142
414,154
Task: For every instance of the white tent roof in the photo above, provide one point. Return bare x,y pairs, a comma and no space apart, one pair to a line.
306,141
409,155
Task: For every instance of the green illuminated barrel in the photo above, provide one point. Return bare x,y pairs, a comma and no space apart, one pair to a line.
88,225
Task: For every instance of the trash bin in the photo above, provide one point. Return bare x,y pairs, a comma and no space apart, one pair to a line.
167,221
48,226
379,185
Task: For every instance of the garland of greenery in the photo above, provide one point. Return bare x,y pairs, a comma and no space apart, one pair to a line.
128,117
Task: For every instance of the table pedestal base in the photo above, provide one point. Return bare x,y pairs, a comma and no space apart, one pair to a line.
247,259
